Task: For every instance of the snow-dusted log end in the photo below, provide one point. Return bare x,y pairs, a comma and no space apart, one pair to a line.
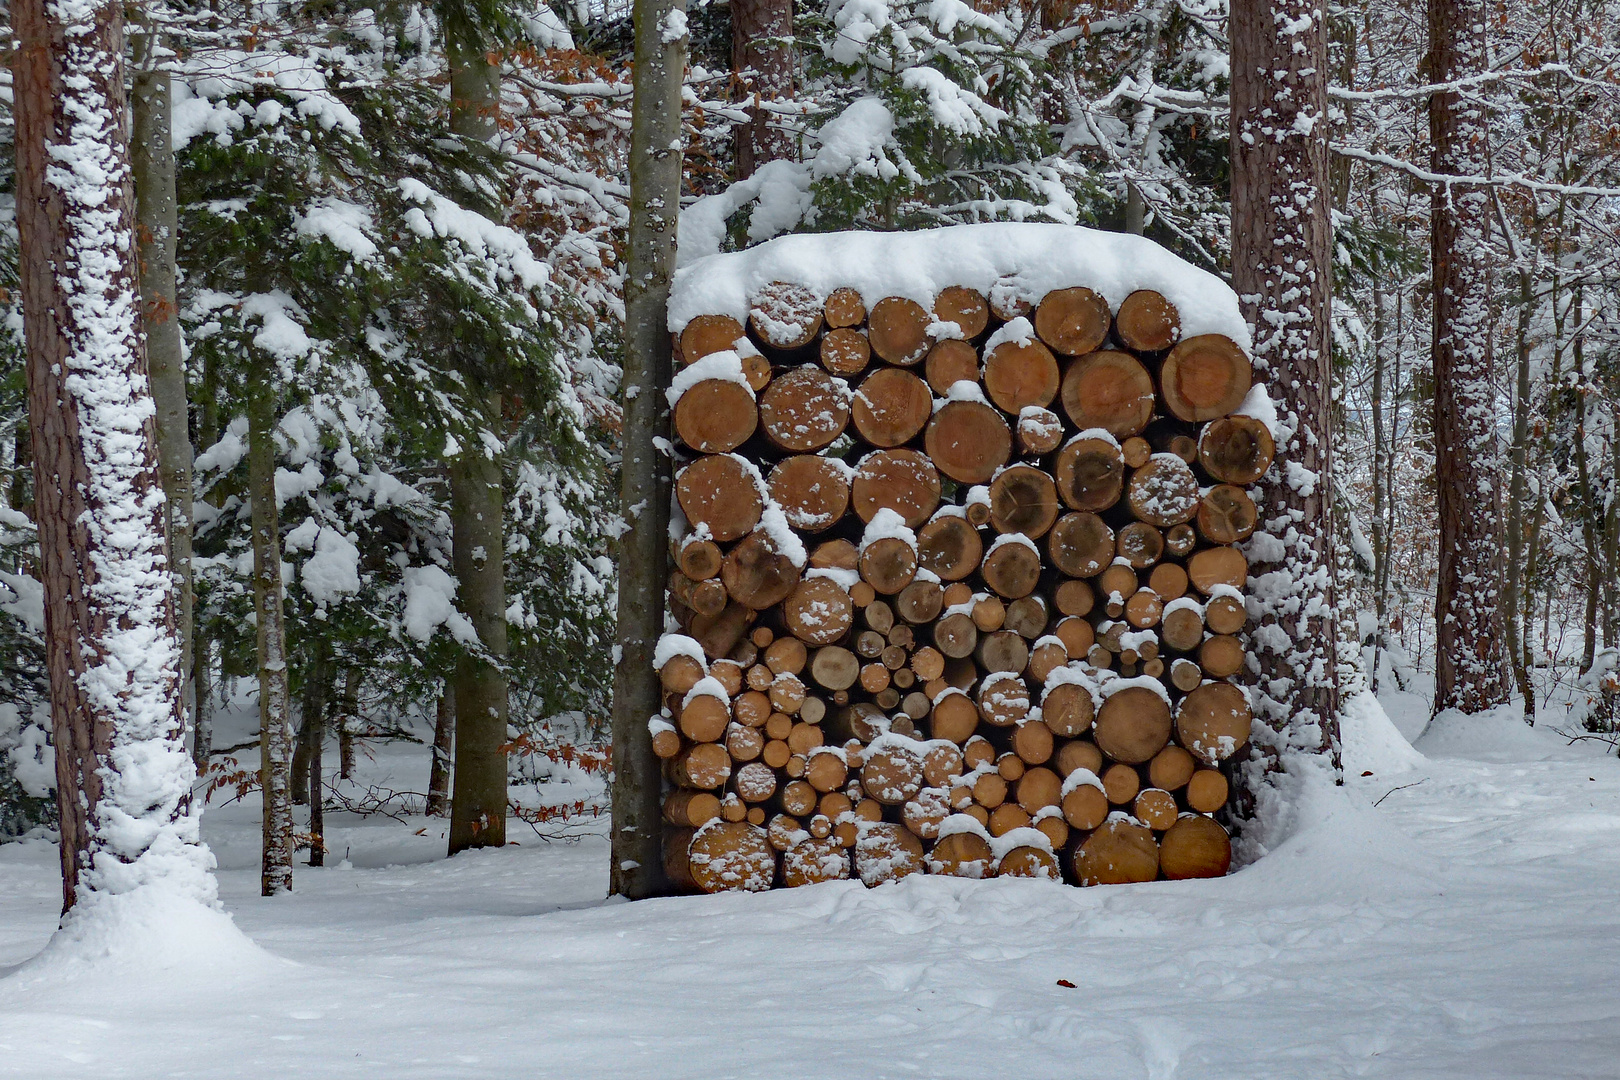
1006,261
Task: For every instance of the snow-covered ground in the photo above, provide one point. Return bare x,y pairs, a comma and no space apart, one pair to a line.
1466,926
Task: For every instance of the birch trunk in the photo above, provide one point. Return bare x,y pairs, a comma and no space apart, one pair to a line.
275,718
112,646
655,189
1281,268
1470,669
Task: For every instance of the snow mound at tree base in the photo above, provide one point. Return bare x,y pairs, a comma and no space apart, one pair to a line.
1498,734
1370,741
155,933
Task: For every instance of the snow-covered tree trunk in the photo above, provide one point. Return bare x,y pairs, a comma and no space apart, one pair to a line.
762,56
275,717
1281,268
1470,672
123,775
655,192
444,735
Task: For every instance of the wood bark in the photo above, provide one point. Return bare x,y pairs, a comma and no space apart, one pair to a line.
762,60
275,715
444,736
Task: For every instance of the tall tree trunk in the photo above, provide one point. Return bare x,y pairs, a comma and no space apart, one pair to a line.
275,718
112,646
202,724
346,723
444,734
313,707
762,56
1589,502
478,806
655,189
1470,669
1380,542
205,646
1516,495
1282,270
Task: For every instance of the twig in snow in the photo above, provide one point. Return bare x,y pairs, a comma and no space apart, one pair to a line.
1403,787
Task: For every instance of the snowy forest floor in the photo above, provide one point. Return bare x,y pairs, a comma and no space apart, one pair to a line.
1466,926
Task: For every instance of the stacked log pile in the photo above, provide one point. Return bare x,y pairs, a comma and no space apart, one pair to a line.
958,590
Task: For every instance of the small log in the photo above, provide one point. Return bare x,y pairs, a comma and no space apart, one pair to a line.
1221,655
716,416
1118,853
1033,743
1076,634
753,709
928,663
677,866
862,593
834,555
1226,515
844,308
666,742
1155,808
968,441
825,769
1002,650
1225,614
958,592
1133,725
775,754
1185,674
786,315
894,657
1182,628
707,334
927,812
1164,492
1003,702
1072,321
1143,609
920,602
989,613
887,852
977,751
963,854
1028,861
803,409
703,597
845,352
1180,540
1010,767
1171,768
705,766
941,764
744,743
1195,847
874,678
1077,754
1218,566
1090,474
784,832
779,725
1140,544
1023,499
888,564
762,636
880,617
1007,817
1213,722
1027,617
834,667
898,330
1055,829
1085,808
1136,450
1108,390
1013,570
965,307
949,547
860,722
891,407
834,805
950,362
733,808
703,719
680,673
1236,449
698,559
813,710
787,693
955,635
1147,322
1207,790
1099,656
754,782
888,699
1017,376
813,861
1168,580
799,798
812,491
786,656
1074,598
954,717
1118,580
756,574
1121,783
900,480
1204,378
1039,431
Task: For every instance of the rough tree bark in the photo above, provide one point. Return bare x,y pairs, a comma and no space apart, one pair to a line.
317,689
655,188
275,718
762,57
1470,673
1281,260
111,642
478,805
351,713
444,735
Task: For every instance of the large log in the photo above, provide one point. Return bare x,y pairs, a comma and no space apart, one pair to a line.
1081,545
754,782
1133,725
834,667
1225,614
715,416
825,769
1221,655
1068,709
1236,449
1207,790
702,765
818,611
954,717
968,441
898,330
717,491
1108,390
812,861
1213,722
965,307
888,564
891,407
1076,633
845,352
1164,492
950,362
1003,700
919,602
1038,788
756,574
1023,499
1169,580
949,547
962,854
1002,650
1012,569
1029,861
786,315
707,334
1204,378
730,856
1072,321
1185,674
1090,473
1226,514
900,480
812,491
1147,322
1143,609
803,409
1182,626
955,635
1195,847
1118,853
704,717
1027,617
1085,807
1017,376
1218,566
887,852
1171,768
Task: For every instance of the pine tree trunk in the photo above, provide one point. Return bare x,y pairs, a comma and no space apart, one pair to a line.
275,717
1281,268
156,223
1380,537
655,188
313,707
1470,669
351,713
1517,484
97,489
444,734
478,805
202,725
762,55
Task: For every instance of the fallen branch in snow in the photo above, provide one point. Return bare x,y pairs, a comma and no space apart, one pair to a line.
1403,787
